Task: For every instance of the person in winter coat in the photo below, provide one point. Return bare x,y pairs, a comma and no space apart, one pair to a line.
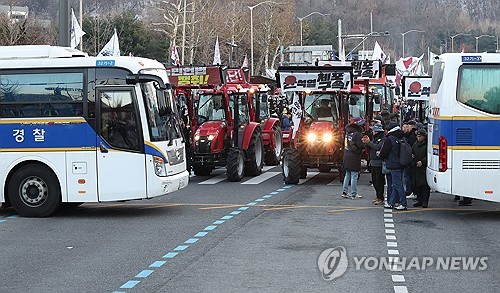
378,178
390,154
410,137
419,164
352,157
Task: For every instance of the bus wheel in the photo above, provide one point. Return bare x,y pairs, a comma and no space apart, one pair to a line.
202,170
255,155
34,191
291,166
235,165
273,155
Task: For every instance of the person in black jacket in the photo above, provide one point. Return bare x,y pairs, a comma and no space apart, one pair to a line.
352,157
390,154
375,163
419,165
410,137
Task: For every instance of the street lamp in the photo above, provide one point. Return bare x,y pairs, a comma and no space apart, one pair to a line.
251,28
477,39
302,18
403,34
453,38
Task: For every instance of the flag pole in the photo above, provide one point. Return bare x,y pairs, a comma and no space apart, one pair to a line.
81,24
429,60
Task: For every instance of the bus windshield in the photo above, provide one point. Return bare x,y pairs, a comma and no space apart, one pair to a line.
478,88
321,107
159,111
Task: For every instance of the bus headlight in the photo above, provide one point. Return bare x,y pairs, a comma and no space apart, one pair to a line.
159,165
327,137
311,137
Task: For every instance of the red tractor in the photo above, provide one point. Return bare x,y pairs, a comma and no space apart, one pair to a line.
222,132
271,127
320,111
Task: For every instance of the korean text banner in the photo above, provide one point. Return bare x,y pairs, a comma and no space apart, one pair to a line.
298,79
417,87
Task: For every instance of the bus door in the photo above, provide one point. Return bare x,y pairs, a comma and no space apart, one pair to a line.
121,161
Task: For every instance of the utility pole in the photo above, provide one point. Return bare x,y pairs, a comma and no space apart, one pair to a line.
64,27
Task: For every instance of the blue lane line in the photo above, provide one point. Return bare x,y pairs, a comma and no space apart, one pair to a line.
144,274
157,264
12,217
181,247
170,255
1,221
201,234
129,284
192,240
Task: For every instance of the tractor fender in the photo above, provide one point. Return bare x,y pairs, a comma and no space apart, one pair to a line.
247,134
268,131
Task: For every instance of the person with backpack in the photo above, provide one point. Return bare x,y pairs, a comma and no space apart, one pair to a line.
419,165
352,157
391,152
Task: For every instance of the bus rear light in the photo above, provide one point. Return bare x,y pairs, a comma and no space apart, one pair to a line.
443,154
81,181
488,191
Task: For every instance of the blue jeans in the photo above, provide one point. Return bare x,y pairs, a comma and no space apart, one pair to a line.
351,176
398,192
388,178
407,176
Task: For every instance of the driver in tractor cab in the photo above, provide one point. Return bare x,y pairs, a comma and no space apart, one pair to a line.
324,110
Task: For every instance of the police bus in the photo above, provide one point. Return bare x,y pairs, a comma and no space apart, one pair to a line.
85,129
464,129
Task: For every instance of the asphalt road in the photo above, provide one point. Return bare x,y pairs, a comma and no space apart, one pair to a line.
218,236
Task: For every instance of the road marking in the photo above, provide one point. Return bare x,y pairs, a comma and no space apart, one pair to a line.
191,240
235,213
388,220
398,278
210,228
308,177
129,284
201,234
218,222
170,255
226,217
392,244
144,274
387,215
261,178
400,289
214,180
390,231
243,208
387,211
157,264
390,237
393,252
389,225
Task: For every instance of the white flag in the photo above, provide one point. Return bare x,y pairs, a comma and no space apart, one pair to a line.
432,58
217,52
76,30
378,54
296,110
245,62
112,48
174,55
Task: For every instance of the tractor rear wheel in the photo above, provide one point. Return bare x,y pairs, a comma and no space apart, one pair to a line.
235,164
255,155
291,166
273,155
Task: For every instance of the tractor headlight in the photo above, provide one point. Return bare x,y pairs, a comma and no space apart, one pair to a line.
311,137
196,137
327,137
211,137
159,165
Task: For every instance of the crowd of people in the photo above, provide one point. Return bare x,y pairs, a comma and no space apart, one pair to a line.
383,144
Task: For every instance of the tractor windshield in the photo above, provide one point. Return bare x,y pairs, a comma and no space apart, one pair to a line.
322,107
357,105
243,109
210,108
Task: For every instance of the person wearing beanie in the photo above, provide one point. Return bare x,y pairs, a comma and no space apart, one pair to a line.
352,157
375,163
390,154
418,166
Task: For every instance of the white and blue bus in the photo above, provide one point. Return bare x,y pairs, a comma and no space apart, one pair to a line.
464,129
78,129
